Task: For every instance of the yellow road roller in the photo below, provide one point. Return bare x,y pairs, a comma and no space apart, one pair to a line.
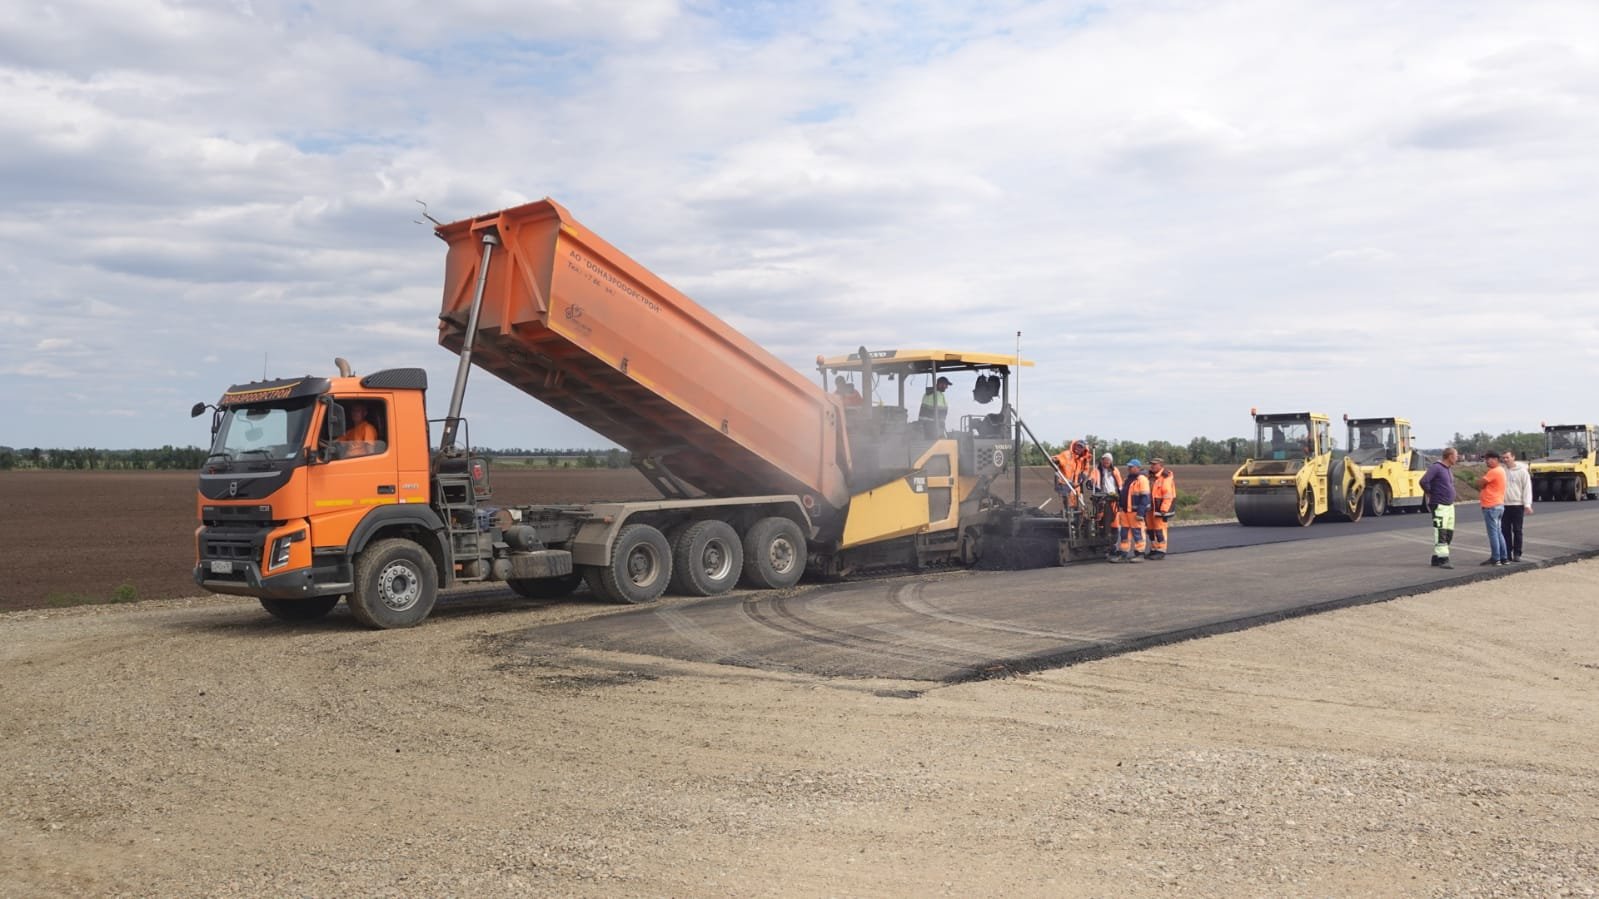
1292,477
1569,469
1383,449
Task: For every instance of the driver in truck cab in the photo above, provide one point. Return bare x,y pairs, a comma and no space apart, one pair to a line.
361,437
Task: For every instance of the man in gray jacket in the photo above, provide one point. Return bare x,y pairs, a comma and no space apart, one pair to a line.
1518,502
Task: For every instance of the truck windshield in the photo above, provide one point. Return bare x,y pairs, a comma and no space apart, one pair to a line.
1569,443
271,432
1282,440
1369,444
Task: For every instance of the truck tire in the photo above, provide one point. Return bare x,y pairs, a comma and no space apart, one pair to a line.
774,554
1581,488
545,587
299,609
396,585
707,559
640,567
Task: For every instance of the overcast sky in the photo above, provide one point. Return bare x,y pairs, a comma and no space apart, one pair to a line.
1187,208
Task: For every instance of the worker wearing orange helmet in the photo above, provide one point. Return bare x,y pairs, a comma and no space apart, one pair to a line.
1072,467
1132,508
1162,505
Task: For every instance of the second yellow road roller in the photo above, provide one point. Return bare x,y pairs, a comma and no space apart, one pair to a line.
1385,452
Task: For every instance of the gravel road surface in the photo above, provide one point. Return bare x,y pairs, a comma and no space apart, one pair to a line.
1433,745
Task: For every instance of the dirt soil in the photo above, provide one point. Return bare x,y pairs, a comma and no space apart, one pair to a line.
69,537
1437,745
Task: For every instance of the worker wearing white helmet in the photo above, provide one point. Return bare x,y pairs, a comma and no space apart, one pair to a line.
1106,478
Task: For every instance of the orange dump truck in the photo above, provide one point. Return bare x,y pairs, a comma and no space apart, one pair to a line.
319,489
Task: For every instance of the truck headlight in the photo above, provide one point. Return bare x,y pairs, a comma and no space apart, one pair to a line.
280,549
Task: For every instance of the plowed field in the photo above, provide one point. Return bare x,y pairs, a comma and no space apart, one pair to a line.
69,537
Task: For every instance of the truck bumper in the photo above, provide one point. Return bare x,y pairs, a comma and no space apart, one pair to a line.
246,580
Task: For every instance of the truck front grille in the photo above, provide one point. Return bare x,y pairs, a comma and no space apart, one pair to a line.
234,546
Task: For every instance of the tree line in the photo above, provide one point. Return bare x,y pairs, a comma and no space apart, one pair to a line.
1525,444
166,458
1234,450
568,458
1198,451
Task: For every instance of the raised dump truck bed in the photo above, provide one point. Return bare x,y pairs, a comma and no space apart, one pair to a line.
571,320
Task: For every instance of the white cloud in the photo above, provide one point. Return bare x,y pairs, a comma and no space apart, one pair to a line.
1187,209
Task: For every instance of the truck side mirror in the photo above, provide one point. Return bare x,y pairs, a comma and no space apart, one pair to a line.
336,423
197,411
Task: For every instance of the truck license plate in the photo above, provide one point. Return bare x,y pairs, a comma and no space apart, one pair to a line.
219,566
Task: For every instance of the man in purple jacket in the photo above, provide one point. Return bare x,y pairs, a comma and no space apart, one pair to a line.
1439,484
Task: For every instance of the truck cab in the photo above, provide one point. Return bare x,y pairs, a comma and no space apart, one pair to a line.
303,475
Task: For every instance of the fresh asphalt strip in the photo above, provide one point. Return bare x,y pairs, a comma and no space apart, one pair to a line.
968,625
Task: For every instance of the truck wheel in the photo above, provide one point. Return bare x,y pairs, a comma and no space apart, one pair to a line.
545,587
774,554
396,585
1580,487
640,568
299,609
707,559
1377,500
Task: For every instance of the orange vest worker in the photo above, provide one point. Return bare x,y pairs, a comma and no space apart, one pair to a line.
1162,505
1075,465
1132,506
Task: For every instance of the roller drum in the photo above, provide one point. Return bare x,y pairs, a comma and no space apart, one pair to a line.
1274,507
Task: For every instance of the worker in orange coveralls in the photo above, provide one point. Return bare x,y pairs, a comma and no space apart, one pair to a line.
1074,465
1162,505
1132,507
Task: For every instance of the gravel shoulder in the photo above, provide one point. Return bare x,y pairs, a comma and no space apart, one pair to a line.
1440,744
